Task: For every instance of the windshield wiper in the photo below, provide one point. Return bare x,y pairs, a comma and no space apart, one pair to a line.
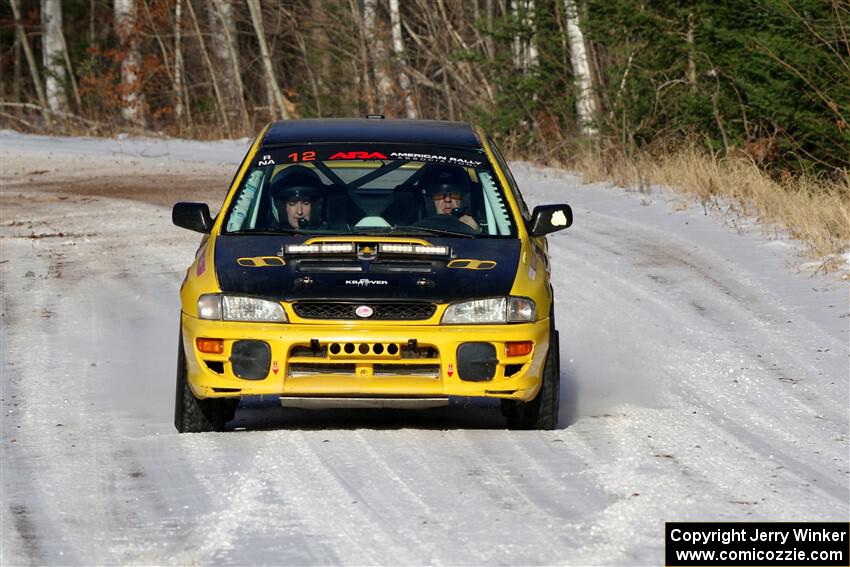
413,230
266,232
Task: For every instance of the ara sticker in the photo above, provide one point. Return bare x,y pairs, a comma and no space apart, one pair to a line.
358,155
450,370
275,368
267,160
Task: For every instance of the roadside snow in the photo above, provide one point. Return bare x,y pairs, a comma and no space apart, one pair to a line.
710,383
165,149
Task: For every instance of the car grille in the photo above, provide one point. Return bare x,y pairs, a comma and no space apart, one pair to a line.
382,311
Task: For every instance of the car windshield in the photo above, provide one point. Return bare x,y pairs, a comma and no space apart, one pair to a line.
385,189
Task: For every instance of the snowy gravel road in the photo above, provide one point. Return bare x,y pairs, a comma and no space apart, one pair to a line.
708,383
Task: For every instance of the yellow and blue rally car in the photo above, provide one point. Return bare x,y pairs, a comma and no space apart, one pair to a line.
369,263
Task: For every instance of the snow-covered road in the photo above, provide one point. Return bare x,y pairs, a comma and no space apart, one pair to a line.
708,383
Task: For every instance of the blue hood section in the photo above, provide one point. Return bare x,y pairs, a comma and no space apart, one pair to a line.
389,277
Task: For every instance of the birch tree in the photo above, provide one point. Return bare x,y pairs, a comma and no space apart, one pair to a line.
226,56
525,48
398,50
53,55
178,61
132,99
378,53
692,63
361,78
585,101
284,107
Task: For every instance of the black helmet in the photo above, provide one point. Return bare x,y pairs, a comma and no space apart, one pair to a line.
441,178
296,182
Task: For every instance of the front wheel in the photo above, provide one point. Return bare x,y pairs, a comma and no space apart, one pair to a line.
192,415
542,411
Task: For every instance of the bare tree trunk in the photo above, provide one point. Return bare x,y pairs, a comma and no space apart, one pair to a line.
206,57
365,80
378,53
51,55
488,40
74,88
468,74
448,91
517,40
319,40
16,69
321,54
284,107
525,48
305,55
181,67
223,29
132,99
5,73
22,34
91,21
585,101
398,49
692,65
178,62
531,45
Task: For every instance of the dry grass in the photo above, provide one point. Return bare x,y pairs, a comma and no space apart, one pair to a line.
814,211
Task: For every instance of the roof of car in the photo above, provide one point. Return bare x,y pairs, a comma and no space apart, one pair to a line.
372,130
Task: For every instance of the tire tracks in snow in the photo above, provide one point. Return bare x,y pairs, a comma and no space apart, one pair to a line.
284,491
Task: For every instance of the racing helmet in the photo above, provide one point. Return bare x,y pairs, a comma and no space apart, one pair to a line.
442,179
296,183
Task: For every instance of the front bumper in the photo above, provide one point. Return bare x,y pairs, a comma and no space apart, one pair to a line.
312,360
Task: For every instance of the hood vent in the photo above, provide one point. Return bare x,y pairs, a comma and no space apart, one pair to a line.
329,266
410,267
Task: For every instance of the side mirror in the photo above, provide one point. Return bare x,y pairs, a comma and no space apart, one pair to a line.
550,218
194,216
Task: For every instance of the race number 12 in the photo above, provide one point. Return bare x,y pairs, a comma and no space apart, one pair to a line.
305,156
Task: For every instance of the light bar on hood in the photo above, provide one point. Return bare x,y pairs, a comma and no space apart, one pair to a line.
321,248
393,248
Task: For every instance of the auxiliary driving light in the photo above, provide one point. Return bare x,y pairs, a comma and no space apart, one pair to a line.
394,248
321,248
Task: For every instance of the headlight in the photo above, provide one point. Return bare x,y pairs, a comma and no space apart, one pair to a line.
209,306
239,308
521,309
491,310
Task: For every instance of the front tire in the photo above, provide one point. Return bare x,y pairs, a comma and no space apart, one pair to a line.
542,411
192,415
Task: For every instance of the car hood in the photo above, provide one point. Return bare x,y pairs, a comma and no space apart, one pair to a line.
255,265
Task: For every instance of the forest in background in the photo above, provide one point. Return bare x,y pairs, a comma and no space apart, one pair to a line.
766,79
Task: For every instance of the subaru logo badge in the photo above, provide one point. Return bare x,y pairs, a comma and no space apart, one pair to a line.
364,311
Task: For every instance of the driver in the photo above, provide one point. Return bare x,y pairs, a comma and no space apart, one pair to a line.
295,190
446,185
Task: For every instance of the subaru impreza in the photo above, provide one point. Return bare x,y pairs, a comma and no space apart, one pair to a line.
369,263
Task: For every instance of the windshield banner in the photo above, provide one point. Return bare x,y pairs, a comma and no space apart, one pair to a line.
368,152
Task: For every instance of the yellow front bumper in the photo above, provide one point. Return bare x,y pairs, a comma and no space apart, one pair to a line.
341,374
